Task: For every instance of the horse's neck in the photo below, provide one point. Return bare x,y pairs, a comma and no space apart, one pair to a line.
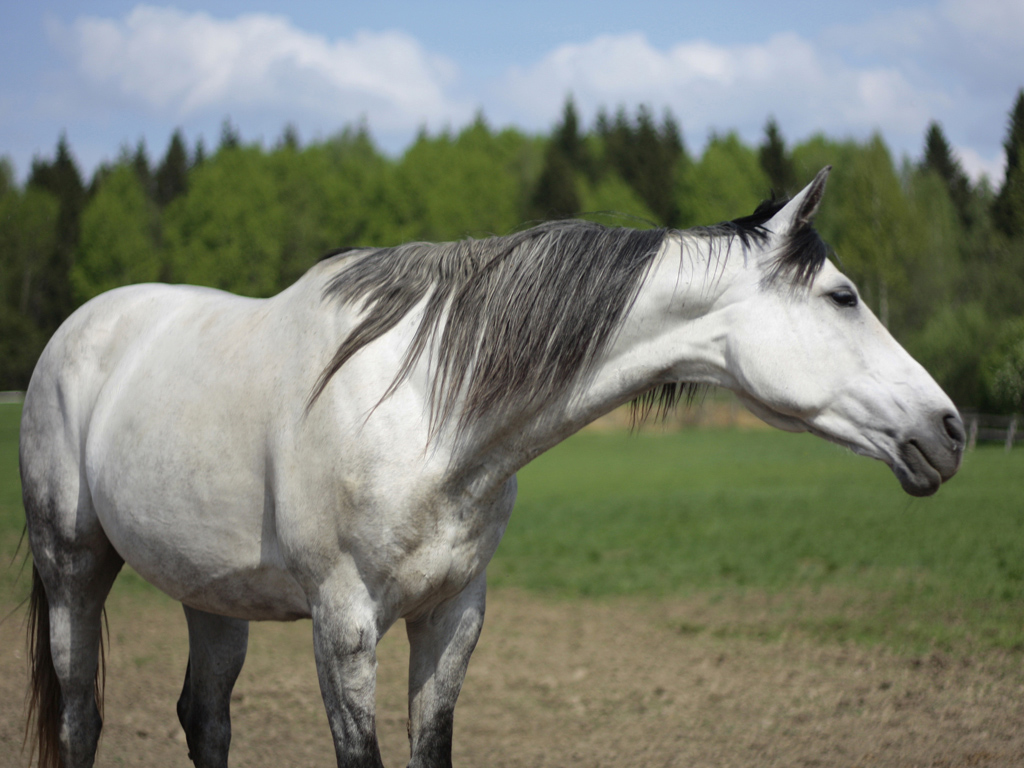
672,333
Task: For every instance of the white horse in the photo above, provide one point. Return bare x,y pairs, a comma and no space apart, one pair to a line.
346,451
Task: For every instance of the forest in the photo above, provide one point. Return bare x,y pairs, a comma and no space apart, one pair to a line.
939,258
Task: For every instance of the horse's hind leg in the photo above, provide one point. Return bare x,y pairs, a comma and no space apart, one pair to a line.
72,574
216,652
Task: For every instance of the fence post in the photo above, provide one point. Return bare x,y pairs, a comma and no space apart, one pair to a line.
972,434
1011,433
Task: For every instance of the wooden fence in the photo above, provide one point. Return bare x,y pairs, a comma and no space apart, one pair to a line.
993,429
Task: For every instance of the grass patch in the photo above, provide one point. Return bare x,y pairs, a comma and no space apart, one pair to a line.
12,518
770,531
724,513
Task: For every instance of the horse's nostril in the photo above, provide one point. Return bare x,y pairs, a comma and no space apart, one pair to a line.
955,428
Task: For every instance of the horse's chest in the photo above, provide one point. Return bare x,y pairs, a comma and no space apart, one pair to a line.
452,551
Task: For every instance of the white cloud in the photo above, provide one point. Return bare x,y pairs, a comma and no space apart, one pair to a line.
178,64
723,87
957,61
971,46
969,53
976,165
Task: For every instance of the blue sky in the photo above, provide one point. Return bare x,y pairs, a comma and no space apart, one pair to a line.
112,72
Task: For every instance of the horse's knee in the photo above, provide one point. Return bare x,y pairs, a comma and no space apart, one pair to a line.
344,644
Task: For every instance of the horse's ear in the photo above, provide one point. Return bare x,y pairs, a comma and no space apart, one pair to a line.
800,211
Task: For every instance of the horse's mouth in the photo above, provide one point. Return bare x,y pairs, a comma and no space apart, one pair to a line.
921,471
914,470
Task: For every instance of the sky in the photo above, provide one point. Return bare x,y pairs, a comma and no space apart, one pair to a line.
110,73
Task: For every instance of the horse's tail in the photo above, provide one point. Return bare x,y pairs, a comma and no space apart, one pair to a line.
44,687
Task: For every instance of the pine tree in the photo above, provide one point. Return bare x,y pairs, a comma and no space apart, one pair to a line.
1008,207
939,158
199,156
776,162
652,163
567,137
51,299
6,176
645,156
289,138
672,136
140,162
172,175
556,195
230,138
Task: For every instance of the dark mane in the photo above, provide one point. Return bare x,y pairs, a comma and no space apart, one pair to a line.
516,319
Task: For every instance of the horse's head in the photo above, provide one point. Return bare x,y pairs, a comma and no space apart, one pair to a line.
804,352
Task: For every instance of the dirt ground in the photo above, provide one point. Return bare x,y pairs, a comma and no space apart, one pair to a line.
570,684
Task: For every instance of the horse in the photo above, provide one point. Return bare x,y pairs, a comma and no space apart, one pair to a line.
346,451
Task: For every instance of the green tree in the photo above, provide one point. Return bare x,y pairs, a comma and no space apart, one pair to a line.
556,194
939,159
647,157
776,162
140,163
567,139
1003,369
471,184
952,346
117,245
230,138
7,183
171,179
1008,207
611,196
289,138
28,228
726,183
227,232
364,197
332,194
867,216
199,155
50,299
932,253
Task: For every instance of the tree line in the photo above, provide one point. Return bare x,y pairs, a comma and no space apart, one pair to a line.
939,258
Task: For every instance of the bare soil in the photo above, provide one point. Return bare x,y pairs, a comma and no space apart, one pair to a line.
570,684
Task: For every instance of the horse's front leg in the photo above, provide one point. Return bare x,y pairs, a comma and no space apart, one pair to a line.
345,639
440,645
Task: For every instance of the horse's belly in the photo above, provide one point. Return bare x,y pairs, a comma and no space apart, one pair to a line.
218,579
212,546
263,594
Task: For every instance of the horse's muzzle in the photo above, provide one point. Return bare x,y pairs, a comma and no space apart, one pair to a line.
931,457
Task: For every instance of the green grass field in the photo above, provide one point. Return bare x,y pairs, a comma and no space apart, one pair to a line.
825,539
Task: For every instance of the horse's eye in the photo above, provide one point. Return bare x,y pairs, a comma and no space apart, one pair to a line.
844,297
